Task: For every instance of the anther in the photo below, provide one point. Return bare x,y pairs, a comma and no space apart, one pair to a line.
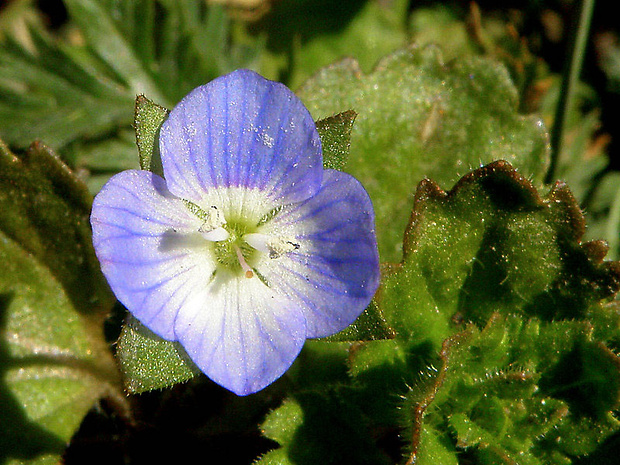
212,219
274,246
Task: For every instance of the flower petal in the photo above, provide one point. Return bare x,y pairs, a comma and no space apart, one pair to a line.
149,248
244,336
241,130
335,272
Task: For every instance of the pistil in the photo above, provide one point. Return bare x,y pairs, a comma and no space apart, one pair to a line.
244,265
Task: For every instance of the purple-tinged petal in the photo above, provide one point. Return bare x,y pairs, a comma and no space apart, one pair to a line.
244,336
335,271
149,248
241,130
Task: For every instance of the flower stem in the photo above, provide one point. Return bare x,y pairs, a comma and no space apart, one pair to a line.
570,79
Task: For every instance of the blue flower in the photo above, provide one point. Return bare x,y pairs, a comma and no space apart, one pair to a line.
248,246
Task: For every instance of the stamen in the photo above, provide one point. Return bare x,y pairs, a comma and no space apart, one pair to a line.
274,246
258,241
244,265
212,219
215,235
279,246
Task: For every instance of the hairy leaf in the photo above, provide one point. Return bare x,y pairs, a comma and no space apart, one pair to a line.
45,209
515,391
55,363
419,117
335,132
493,244
149,362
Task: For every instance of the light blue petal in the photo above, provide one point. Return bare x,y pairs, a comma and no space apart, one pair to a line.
149,249
243,336
241,130
335,272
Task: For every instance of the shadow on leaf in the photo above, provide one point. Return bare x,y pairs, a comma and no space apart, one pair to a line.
20,437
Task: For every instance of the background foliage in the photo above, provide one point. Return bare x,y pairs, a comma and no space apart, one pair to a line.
495,334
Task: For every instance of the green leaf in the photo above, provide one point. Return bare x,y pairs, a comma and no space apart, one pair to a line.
282,424
149,118
369,326
111,40
534,380
56,93
319,364
385,370
149,362
46,209
493,244
160,48
512,392
303,35
494,251
77,96
54,361
433,448
320,427
418,117
335,132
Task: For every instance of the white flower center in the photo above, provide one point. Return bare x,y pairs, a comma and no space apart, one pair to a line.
237,241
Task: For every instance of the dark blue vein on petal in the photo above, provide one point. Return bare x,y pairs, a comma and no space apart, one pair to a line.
243,349
324,286
278,145
320,269
311,306
332,263
145,263
314,212
164,305
226,136
137,215
317,237
209,134
252,166
192,154
167,279
266,336
132,232
243,155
